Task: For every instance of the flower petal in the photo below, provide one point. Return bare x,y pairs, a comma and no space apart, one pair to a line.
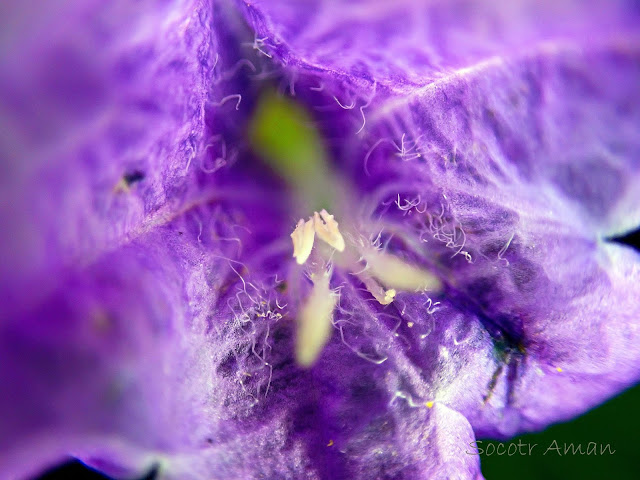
515,152
401,45
349,416
103,108
113,362
511,177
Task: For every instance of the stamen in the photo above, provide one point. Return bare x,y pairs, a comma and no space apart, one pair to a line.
399,275
314,321
389,295
328,230
304,234
384,297
302,237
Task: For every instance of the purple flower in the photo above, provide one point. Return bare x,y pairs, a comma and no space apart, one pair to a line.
446,173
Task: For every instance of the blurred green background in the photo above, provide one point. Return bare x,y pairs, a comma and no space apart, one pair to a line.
617,423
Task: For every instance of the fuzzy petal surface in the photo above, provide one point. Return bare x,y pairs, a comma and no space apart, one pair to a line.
149,296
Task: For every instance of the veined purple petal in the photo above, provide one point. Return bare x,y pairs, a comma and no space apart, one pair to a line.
119,363
489,143
103,107
513,177
516,157
513,159
402,45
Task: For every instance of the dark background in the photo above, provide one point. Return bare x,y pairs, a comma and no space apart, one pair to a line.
616,423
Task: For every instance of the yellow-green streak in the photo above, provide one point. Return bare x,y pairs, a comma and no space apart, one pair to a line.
283,134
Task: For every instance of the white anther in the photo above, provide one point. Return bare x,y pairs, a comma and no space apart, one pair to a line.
302,237
321,224
327,230
389,295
